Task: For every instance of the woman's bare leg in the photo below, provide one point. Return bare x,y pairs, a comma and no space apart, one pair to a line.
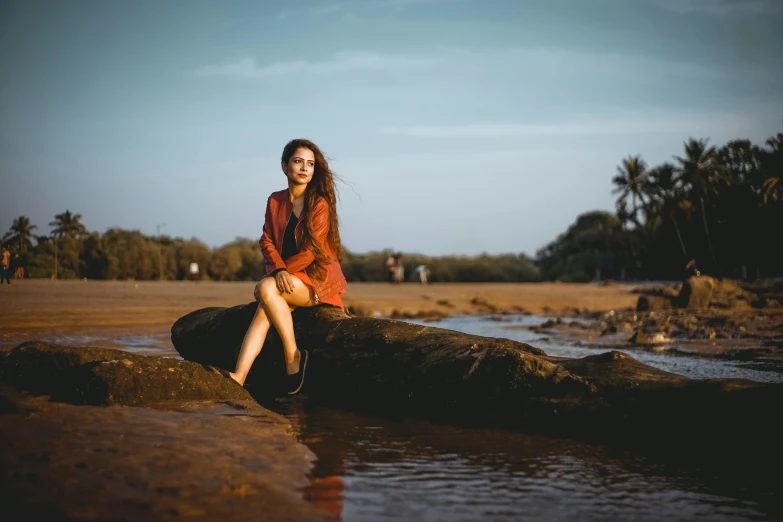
251,345
278,310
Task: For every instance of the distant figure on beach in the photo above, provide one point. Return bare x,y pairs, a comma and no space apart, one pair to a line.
423,272
5,266
399,268
19,267
692,269
194,271
391,267
302,248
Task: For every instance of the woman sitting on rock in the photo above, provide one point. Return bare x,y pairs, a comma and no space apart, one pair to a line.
301,246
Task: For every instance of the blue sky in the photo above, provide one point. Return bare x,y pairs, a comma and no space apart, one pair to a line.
460,126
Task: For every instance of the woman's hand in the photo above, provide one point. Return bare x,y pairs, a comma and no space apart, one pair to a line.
285,282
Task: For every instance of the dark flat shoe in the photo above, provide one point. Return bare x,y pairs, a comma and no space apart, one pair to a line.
295,381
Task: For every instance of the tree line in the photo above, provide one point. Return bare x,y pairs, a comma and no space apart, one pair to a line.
720,206
71,251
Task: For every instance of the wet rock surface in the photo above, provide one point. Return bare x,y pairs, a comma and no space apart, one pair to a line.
700,292
229,460
102,376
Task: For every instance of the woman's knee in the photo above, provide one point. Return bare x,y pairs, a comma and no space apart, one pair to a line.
268,289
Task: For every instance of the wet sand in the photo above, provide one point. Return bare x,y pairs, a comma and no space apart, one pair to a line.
31,309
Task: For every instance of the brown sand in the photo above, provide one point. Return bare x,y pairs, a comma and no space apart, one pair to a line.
30,309
42,303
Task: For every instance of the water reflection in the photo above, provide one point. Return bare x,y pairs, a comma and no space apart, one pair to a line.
390,468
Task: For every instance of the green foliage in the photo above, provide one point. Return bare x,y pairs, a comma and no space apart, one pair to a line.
19,237
68,224
722,206
482,268
588,247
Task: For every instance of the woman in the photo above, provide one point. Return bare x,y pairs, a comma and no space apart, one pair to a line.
301,247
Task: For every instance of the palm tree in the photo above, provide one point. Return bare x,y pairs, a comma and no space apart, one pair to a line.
630,181
698,173
67,224
663,184
19,234
772,185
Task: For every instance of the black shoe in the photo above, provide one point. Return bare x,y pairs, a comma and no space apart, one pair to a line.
295,381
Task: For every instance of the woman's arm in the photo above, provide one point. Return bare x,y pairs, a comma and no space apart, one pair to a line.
304,258
271,255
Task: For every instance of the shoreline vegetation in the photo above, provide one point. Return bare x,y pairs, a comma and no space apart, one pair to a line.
720,206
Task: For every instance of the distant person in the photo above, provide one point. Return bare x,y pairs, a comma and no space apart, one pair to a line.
19,267
399,269
391,267
423,272
5,266
692,269
302,249
194,271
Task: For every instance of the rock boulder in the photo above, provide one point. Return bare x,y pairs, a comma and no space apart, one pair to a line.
102,376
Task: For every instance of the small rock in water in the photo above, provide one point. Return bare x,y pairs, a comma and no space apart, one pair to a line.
638,338
609,329
660,338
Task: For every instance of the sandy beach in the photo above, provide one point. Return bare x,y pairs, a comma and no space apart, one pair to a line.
30,309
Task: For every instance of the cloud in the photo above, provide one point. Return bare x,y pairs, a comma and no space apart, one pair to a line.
696,124
723,7
339,62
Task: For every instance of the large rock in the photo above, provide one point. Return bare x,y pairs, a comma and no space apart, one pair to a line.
100,376
696,292
386,364
728,294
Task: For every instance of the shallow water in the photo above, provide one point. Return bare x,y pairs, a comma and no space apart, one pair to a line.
513,327
381,469
152,344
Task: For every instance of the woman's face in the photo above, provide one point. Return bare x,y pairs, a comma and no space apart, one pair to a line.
300,168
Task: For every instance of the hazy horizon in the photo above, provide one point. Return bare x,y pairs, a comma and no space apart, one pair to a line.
461,126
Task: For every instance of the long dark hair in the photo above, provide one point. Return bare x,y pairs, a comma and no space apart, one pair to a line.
321,184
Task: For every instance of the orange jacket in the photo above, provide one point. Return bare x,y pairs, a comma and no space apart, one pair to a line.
278,212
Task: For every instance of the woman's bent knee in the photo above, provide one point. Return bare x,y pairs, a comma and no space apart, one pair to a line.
268,289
